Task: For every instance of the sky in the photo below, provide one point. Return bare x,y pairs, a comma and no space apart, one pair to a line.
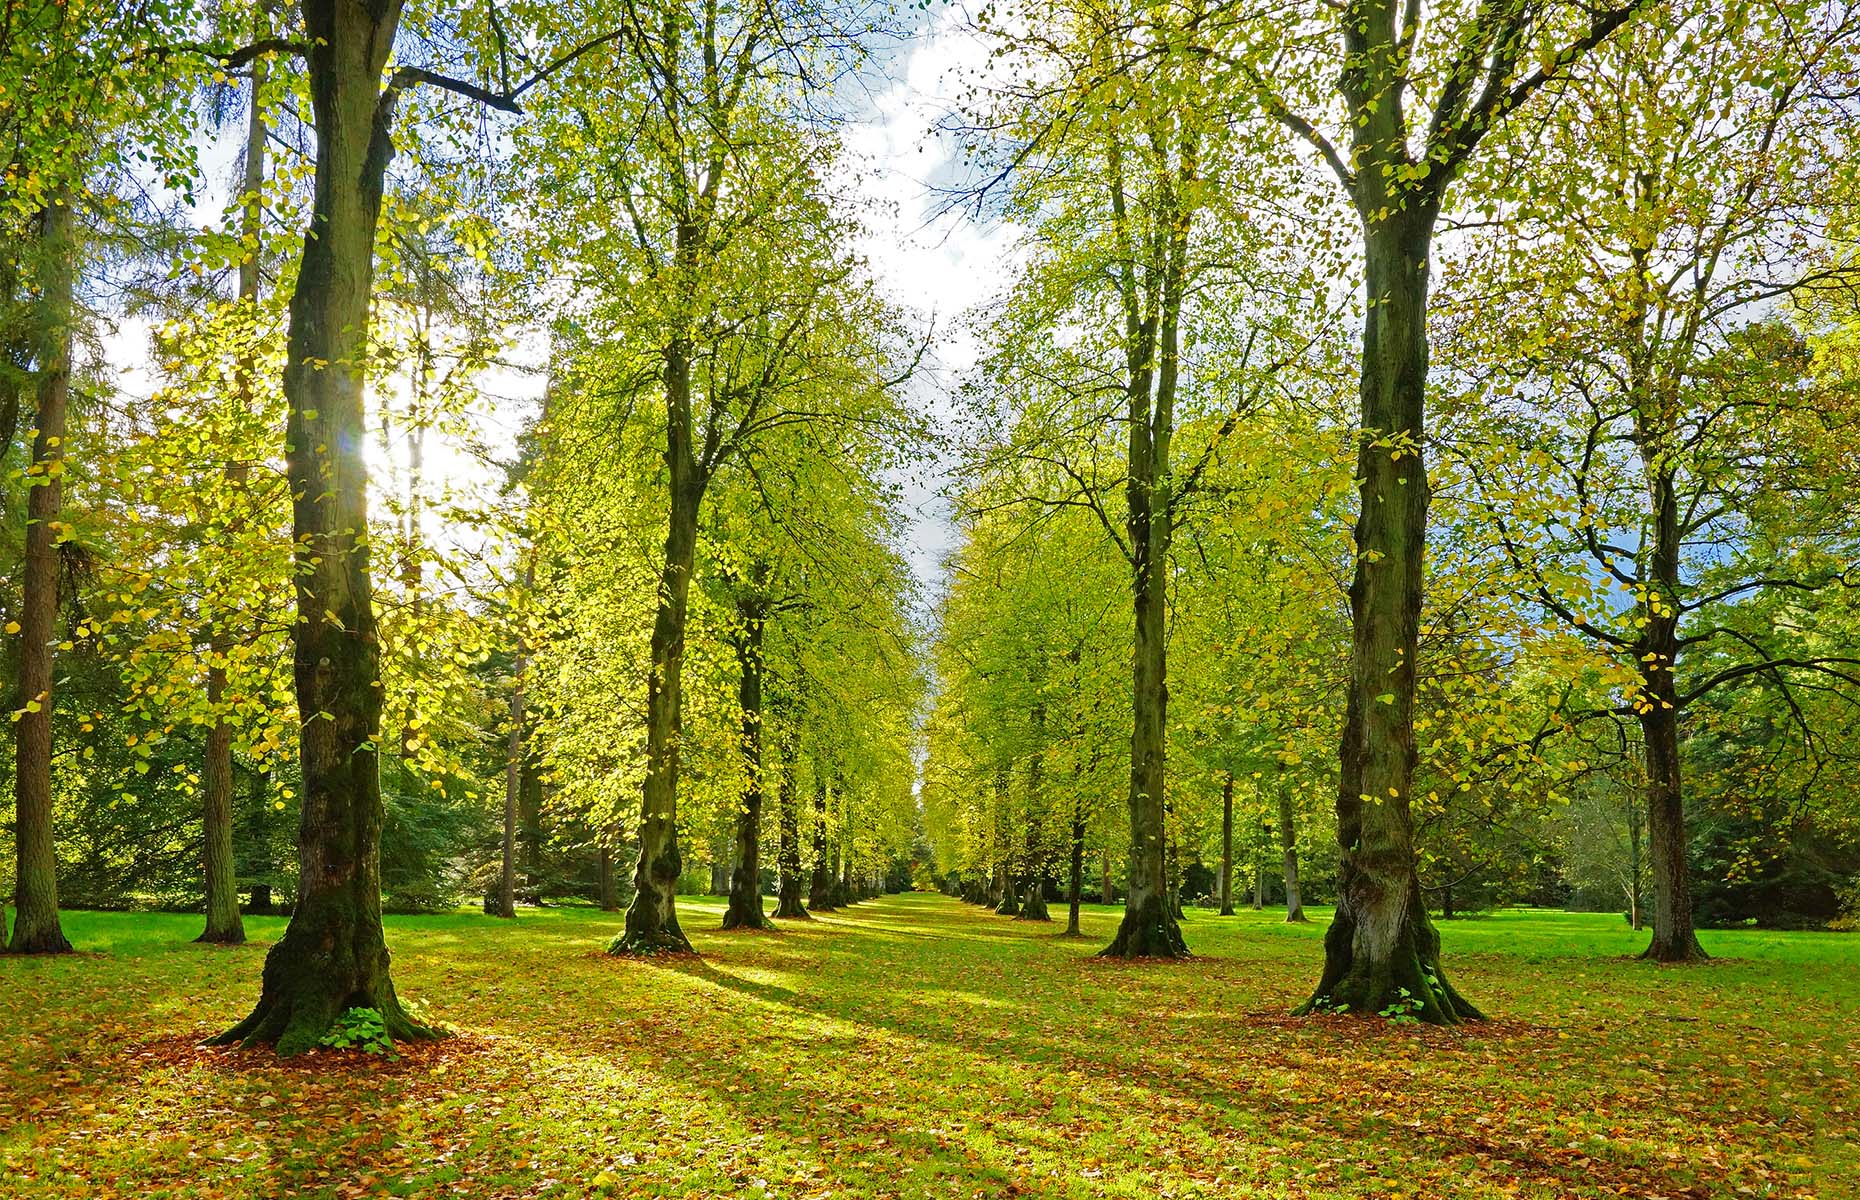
939,266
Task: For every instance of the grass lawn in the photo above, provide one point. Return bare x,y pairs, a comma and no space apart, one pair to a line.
914,1046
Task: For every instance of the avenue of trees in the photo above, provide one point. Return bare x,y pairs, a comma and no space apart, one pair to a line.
456,453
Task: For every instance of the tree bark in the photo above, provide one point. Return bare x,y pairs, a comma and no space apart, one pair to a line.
513,787
1288,843
1078,867
1152,361
529,813
1033,894
745,910
604,869
788,854
1674,938
1009,905
1633,888
36,929
1381,940
333,956
820,887
652,918
1107,888
1227,844
1657,656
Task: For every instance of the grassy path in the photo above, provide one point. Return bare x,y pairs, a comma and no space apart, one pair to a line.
914,1046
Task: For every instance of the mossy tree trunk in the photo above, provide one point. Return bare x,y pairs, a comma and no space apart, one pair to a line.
652,919
1381,940
1009,904
333,956
1381,949
745,910
36,929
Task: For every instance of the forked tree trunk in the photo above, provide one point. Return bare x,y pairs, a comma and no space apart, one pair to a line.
36,929
745,911
652,918
1152,353
1288,843
1381,940
333,956
1227,844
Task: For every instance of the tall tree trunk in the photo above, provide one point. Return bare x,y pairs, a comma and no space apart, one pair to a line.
1657,654
1381,940
1078,867
788,854
1152,362
513,787
35,900
1227,844
1674,939
1107,889
745,911
1635,868
1033,899
529,812
1175,879
224,925
820,887
604,868
652,918
1288,843
333,956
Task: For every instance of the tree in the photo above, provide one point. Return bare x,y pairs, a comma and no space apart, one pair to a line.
1119,149
66,105
333,956
1468,71
1679,479
729,285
